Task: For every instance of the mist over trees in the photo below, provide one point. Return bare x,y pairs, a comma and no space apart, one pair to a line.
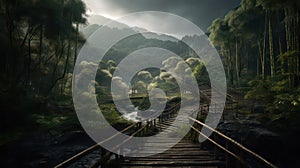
261,37
259,44
40,39
39,44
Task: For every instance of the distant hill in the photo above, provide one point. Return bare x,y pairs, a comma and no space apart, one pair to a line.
97,19
141,39
89,30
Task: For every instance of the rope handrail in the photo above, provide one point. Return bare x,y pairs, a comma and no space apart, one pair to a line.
214,142
172,109
108,154
90,149
212,87
235,143
97,146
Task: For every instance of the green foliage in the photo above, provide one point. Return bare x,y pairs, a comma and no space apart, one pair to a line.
169,86
55,123
38,41
261,90
288,54
141,87
277,96
200,73
112,115
145,104
138,41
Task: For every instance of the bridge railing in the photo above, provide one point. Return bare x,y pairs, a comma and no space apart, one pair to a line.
137,129
239,154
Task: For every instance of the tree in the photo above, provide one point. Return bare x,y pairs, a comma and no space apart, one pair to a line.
39,35
220,36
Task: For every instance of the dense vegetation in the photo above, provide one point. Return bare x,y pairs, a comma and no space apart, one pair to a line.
259,43
39,40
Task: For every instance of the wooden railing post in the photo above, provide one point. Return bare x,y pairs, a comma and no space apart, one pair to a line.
241,161
223,115
146,128
122,153
236,109
138,127
227,155
116,156
215,147
103,152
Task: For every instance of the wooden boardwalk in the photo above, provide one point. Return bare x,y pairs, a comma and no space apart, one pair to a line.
226,152
184,154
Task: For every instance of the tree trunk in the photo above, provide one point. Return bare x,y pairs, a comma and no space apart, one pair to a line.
237,64
230,66
29,62
64,71
41,45
76,43
288,42
280,45
263,53
262,57
297,44
257,67
272,65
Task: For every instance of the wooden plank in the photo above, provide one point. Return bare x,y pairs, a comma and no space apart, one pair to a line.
174,163
133,166
172,149
187,153
183,154
176,146
177,159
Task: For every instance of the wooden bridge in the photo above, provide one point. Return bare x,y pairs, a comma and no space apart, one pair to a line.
221,151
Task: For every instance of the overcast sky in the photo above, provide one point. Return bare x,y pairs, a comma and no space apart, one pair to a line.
200,12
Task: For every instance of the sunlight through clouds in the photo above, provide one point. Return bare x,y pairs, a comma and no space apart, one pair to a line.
202,13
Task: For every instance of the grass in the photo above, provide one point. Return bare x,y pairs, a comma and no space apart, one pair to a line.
41,123
112,115
54,123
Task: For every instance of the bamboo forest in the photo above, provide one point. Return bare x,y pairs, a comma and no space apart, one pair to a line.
149,83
